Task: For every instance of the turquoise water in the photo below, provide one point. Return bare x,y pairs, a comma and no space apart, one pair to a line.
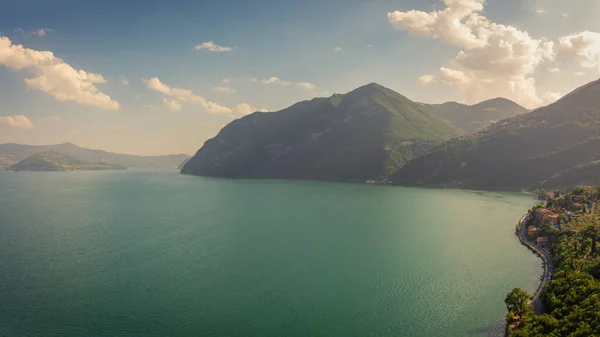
155,253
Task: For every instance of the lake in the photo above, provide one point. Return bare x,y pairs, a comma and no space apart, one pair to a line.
156,253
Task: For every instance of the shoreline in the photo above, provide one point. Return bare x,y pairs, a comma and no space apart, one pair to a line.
546,258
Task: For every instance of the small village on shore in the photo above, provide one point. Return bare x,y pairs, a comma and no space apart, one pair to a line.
563,231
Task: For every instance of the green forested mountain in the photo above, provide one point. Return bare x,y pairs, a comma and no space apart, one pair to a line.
54,161
552,147
11,154
367,133
476,117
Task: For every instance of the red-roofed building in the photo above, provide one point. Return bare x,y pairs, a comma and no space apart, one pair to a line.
542,241
533,231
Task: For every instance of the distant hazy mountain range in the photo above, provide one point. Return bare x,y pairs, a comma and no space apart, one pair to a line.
54,161
552,147
471,118
370,132
11,154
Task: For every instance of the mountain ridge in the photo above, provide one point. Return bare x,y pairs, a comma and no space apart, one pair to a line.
556,146
475,117
368,132
11,153
55,161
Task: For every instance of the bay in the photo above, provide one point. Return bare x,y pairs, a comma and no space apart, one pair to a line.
156,253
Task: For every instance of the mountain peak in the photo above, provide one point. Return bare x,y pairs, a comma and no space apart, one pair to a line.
318,139
371,87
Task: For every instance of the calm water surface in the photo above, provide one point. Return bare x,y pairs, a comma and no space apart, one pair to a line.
155,253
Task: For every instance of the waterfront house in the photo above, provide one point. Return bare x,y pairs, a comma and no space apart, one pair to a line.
542,241
533,231
543,214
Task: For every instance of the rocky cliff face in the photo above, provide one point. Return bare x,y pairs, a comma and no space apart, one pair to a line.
367,133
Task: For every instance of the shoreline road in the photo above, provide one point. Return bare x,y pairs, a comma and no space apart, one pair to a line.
548,265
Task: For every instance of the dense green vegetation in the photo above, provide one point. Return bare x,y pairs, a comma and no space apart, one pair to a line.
557,146
365,134
476,117
572,298
54,161
11,154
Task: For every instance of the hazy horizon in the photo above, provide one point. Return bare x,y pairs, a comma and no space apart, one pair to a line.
158,78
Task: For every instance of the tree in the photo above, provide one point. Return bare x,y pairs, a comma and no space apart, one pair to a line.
592,231
516,301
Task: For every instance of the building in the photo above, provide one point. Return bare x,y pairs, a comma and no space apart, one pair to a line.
542,241
543,214
533,231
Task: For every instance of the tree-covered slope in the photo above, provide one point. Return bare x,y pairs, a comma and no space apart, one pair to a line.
12,153
367,133
471,118
554,146
54,161
571,300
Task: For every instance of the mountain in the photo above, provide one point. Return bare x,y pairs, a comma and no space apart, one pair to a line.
472,118
365,134
557,146
54,161
13,153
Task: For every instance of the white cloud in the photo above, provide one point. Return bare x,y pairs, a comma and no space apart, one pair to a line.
244,109
55,77
306,85
426,79
540,11
451,76
551,97
494,59
369,46
184,95
41,32
17,121
225,80
554,70
565,15
583,47
124,80
337,49
277,80
173,105
224,90
579,73
210,46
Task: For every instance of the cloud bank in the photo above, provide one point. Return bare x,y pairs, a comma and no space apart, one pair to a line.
53,76
495,59
18,121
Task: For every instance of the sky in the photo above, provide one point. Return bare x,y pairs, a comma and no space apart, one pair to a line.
156,77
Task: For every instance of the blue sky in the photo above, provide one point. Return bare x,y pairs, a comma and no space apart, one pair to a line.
307,49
